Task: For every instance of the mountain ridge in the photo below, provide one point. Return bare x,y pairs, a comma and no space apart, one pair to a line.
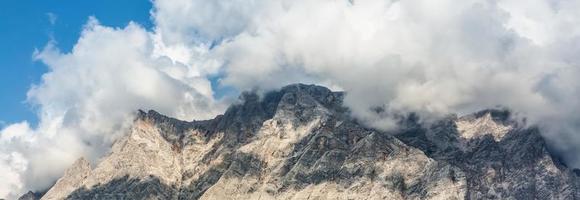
299,142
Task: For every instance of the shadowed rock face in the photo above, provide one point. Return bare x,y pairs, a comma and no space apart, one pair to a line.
300,143
31,196
502,158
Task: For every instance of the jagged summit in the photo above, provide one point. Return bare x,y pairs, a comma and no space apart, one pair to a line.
300,143
488,122
246,117
251,103
31,196
503,158
501,115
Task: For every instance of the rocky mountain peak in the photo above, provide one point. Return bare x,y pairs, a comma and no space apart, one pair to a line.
300,143
173,130
31,196
488,122
503,158
499,115
293,98
242,119
72,179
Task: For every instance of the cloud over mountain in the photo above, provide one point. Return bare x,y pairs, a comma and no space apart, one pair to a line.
421,56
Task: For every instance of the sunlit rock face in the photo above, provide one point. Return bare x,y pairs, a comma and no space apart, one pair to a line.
474,126
301,143
501,157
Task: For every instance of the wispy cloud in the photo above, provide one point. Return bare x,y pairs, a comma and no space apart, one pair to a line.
52,18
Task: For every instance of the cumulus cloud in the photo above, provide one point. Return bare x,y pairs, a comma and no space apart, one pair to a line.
429,57
12,164
88,97
422,56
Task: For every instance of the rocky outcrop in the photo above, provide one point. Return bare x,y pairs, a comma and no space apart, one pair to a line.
31,196
300,143
502,158
70,181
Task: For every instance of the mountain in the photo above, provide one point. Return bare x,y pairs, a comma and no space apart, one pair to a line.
31,196
502,159
301,143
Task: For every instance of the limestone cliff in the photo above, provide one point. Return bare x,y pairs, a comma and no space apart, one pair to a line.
300,143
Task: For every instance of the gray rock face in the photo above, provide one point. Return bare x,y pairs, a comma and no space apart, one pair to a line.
30,196
300,143
502,158
72,179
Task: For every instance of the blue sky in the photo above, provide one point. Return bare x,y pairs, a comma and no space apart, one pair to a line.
26,25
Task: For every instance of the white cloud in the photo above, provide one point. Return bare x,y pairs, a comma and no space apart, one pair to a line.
51,18
89,95
408,52
13,166
417,55
178,24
